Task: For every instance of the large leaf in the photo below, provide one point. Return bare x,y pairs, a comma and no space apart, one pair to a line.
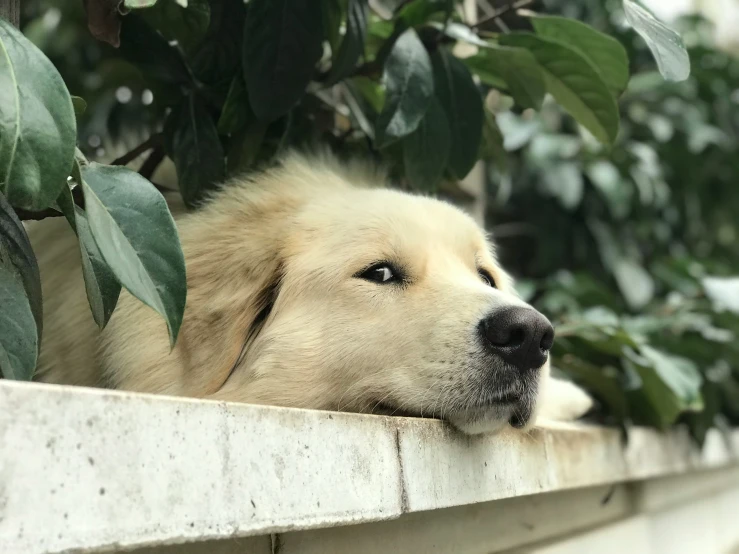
671,385
282,44
38,129
601,382
151,53
137,237
462,103
18,335
352,46
410,86
101,286
666,45
21,316
574,83
517,68
187,25
218,58
17,256
605,53
480,65
191,140
426,150
236,112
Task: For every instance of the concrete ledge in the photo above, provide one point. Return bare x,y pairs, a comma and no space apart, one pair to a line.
84,469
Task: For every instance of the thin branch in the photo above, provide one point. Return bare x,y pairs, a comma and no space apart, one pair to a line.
151,163
152,142
501,12
30,215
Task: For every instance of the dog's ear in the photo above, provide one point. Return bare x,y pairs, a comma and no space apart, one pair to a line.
234,253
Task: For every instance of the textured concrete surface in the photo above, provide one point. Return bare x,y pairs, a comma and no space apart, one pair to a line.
84,469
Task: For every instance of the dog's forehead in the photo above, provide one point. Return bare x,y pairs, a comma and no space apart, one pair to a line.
386,214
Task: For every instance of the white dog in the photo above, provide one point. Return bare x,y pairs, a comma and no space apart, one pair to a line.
312,286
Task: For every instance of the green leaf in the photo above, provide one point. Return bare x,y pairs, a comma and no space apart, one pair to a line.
352,47
236,112
192,141
409,82
218,59
671,385
244,147
517,68
38,129
370,91
574,83
462,103
79,105
151,54
17,255
19,340
101,286
666,45
426,150
187,25
419,12
605,53
134,231
480,65
282,44
602,383
332,16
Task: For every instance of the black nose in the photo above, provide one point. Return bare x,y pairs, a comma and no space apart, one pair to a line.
521,336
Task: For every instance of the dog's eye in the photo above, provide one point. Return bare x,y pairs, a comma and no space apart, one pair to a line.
486,278
380,273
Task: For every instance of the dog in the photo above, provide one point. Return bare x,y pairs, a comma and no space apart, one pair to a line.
314,285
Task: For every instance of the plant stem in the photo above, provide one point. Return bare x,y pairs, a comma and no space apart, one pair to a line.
153,141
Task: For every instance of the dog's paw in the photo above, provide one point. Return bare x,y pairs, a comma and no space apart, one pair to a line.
563,401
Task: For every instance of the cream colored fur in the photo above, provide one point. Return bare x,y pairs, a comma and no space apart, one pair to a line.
288,243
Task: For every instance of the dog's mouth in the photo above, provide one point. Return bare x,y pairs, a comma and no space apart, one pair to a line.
510,407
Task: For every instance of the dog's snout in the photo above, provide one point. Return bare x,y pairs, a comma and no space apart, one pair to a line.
521,336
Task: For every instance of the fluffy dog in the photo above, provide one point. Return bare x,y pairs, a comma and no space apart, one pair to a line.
311,285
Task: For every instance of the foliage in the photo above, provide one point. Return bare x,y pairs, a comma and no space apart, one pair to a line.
637,244
220,87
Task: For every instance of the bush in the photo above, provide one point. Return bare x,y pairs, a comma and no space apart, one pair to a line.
221,87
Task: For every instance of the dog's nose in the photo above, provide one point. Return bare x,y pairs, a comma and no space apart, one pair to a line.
521,336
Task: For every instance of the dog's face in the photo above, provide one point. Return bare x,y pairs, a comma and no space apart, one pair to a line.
392,303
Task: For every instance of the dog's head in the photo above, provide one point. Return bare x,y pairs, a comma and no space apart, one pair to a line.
336,295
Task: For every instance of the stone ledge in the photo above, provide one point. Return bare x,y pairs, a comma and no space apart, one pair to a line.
87,469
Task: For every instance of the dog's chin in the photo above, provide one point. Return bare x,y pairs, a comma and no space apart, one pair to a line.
487,419
491,419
